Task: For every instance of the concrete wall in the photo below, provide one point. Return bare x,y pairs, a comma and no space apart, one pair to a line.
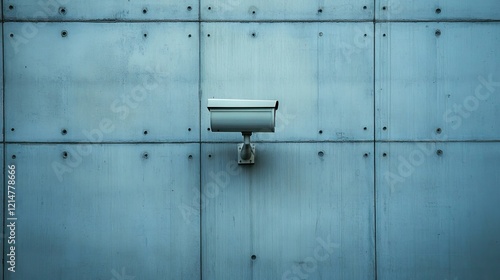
384,164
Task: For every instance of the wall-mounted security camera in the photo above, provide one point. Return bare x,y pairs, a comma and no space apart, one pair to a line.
245,116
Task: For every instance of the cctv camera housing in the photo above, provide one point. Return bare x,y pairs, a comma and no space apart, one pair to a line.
239,115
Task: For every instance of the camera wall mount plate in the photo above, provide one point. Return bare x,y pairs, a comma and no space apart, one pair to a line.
242,161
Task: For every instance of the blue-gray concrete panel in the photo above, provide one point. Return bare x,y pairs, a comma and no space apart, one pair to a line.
321,73
105,211
1,88
304,211
286,10
67,10
437,210
437,10
102,82
437,81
